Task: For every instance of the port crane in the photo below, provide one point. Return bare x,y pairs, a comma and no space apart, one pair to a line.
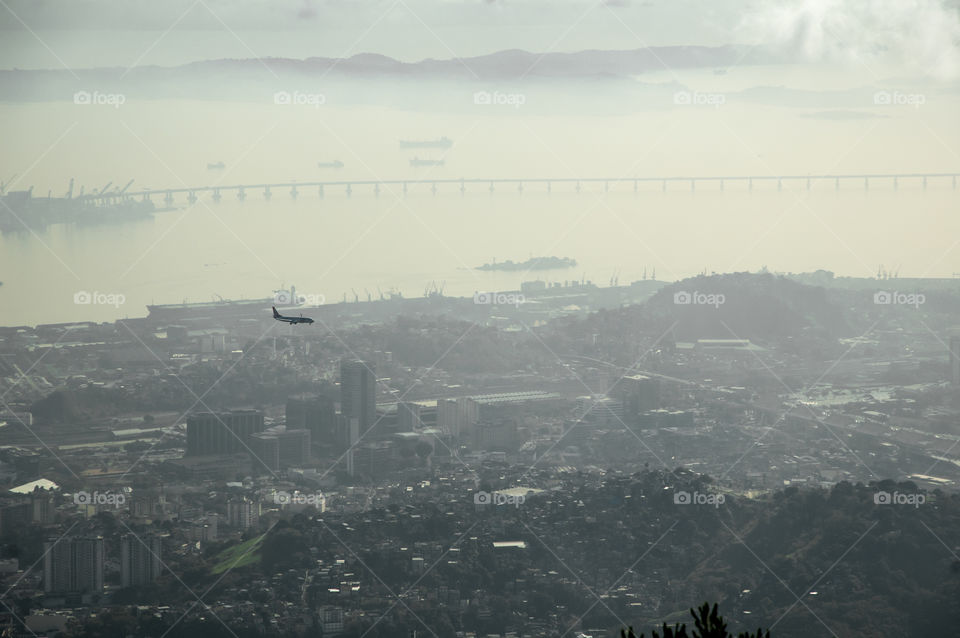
3,185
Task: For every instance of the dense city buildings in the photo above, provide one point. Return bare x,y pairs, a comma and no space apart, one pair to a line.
467,472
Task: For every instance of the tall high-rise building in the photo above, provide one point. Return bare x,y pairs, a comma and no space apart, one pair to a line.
638,393
372,458
499,434
409,416
358,392
140,561
280,447
456,417
349,437
315,413
955,359
243,513
73,565
222,432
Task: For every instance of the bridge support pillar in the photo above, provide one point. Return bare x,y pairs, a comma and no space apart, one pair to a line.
954,182
578,186
491,188
693,185
866,183
320,191
216,194
241,194
168,198
192,197
349,190
433,188
750,184
721,185
924,182
808,183
836,184
266,193
550,186
404,188
779,184
663,186
293,192
376,189
463,188
606,187
520,187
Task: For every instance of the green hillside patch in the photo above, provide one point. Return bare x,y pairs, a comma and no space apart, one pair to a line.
246,553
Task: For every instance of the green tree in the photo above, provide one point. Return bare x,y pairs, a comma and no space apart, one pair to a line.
708,623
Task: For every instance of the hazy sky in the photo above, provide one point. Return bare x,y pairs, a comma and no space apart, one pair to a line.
920,35
817,113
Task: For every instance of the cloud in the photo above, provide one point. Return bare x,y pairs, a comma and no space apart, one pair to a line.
923,35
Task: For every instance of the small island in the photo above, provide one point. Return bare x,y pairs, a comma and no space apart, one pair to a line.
534,263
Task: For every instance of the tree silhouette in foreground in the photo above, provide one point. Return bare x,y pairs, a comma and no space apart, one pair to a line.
708,624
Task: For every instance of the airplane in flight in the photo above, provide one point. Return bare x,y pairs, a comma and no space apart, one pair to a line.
291,320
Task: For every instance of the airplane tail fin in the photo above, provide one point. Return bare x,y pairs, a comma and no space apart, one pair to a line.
275,313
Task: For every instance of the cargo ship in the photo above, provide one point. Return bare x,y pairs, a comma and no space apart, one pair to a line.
534,263
443,142
416,161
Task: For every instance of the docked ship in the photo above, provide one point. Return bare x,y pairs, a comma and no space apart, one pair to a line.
333,164
443,142
20,210
234,308
216,166
416,161
240,308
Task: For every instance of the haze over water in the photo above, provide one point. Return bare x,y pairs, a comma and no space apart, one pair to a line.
811,117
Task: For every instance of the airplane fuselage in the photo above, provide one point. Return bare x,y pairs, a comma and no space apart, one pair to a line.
291,320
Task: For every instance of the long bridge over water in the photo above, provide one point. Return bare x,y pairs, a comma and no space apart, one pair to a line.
576,184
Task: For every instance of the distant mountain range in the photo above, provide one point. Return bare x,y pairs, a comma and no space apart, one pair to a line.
514,64
509,65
